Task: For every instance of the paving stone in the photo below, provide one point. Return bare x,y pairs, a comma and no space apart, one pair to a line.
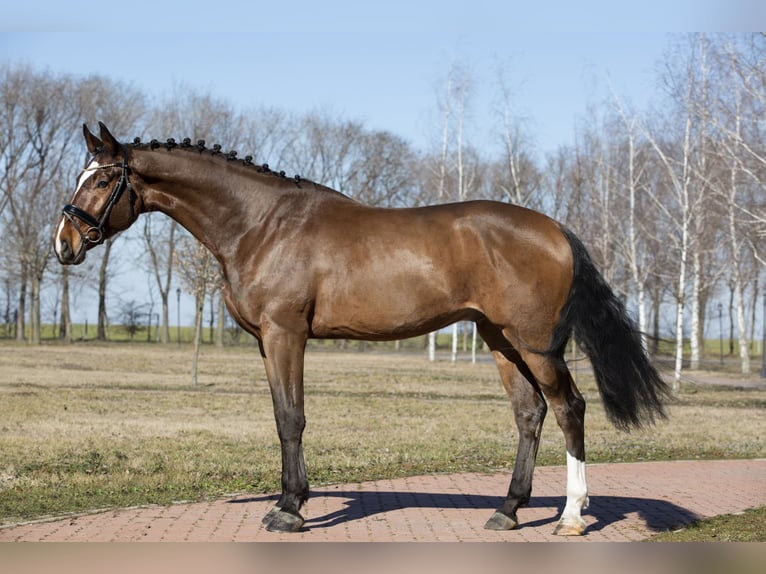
628,502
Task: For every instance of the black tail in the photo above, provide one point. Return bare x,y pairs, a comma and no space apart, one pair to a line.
631,388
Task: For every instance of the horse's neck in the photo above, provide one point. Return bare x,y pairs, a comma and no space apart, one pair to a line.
203,195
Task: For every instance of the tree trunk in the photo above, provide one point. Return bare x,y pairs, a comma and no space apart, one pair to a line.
753,308
695,334
65,328
731,317
221,328
680,299
642,324
22,307
101,331
211,324
744,352
633,234
34,309
165,319
7,312
738,288
656,304
454,343
432,346
163,282
200,304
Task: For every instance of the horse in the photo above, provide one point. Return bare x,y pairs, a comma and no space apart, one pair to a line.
300,261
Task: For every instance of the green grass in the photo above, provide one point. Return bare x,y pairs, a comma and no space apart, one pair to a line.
747,526
89,426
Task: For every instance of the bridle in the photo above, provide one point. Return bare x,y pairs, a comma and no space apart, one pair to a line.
94,234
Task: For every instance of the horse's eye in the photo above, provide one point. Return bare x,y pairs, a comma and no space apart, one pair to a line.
102,183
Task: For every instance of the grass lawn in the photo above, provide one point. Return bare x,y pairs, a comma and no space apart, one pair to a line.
748,526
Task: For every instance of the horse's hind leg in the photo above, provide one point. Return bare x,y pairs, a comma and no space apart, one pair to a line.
568,405
529,410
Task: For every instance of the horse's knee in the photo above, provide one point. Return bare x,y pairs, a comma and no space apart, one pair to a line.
290,423
530,413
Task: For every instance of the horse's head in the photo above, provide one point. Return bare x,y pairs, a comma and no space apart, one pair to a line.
103,203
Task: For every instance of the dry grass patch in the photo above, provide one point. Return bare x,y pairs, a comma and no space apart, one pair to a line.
87,426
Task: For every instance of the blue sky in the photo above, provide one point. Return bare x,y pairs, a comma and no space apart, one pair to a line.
381,63
388,81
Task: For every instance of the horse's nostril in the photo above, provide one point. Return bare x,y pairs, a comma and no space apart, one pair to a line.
64,251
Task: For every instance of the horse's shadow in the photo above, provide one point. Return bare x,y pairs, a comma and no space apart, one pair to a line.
659,515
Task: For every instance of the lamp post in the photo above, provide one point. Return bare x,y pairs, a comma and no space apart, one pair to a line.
178,322
720,331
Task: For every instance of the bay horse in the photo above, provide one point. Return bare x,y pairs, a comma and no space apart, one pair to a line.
301,261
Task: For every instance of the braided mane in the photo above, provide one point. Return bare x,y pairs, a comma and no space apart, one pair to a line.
215,151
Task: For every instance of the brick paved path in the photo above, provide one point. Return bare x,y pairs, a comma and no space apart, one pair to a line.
628,502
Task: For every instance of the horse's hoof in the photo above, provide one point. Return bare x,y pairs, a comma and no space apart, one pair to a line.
500,521
282,521
569,529
269,515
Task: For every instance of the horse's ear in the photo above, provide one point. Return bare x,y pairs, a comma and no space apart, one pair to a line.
94,144
111,145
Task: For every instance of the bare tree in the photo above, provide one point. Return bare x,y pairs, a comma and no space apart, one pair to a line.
456,107
370,166
516,175
384,174
270,135
35,163
161,249
200,274
197,115
462,88
746,69
738,121
116,104
634,241
684,204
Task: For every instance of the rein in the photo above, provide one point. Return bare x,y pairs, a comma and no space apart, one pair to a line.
95,232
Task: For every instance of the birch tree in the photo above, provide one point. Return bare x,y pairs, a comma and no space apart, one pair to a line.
686,82
442,172
746,64
737,246
456,106
738,122
679,215
634,248
516,175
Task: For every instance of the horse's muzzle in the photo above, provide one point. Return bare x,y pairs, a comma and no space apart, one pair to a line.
66,255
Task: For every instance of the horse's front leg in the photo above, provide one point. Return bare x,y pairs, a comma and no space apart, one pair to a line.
283,355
